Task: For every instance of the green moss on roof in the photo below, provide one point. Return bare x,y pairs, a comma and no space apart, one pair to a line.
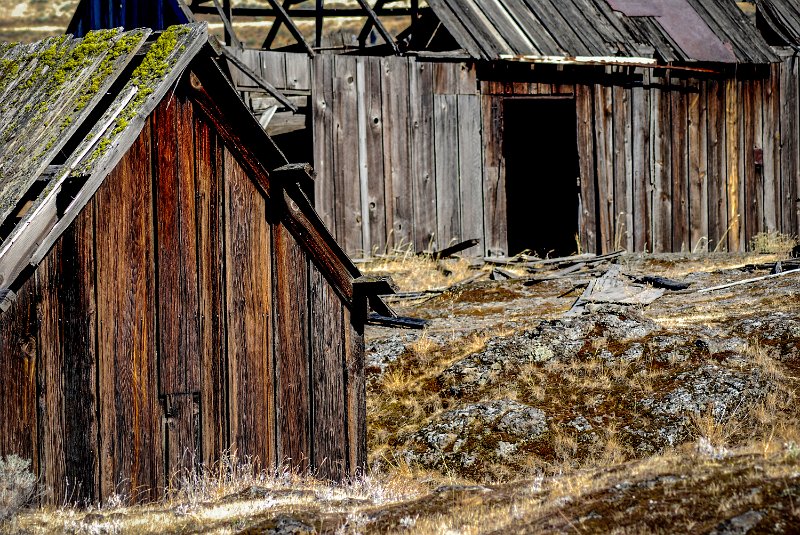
154,67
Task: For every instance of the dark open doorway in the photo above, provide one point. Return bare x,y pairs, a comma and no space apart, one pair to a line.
541,154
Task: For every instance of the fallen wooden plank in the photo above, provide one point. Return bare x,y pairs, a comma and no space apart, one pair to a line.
662,282
397,321
457,248
613,288
557,275
747,281
502,274
584,259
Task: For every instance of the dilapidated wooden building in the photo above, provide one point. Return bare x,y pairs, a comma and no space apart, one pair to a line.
169,295
546,125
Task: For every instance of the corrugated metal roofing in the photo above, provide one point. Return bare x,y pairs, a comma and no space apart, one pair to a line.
50,133
783,17
670,30
129,14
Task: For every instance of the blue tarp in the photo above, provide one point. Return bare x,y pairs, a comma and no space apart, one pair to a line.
129,14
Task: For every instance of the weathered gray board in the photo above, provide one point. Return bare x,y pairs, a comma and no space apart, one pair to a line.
409,153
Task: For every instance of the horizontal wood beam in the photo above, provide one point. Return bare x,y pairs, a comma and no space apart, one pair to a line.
305,13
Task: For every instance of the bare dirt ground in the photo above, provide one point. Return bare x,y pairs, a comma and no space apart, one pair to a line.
506,415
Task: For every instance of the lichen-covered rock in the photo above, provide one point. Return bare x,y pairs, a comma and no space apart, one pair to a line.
710,389
465,438
778,329
561,340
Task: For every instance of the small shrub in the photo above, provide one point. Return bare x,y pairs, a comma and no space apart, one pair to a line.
772,243
17,485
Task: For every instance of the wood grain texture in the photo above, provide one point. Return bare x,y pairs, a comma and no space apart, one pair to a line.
771,134
448,206
400,200
423,173
470,168
329,413
733,178
494,177
347,205
249,304
182,439
356,394
176,239
662,170
698,167
717,166
584,102
68,431
322,118
18,377
680,167
376,191
623,169
131,461
604,148
292,350
642,187
209,175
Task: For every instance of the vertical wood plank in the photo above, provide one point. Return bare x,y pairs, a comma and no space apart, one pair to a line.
182,437
18,377
398,187
733,147
376,194
324,163
470,168
346,142
329,410
131,459
789,144
623,168
662,170
292,351
698,167
642,189
604,147
448,205
273,67
772,157
494,179
717,168
356,392
584,102
178,322
67,371
421,125
248,283
211,234
680,167
298,71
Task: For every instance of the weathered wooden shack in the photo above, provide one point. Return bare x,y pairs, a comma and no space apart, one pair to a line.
169,296
547,125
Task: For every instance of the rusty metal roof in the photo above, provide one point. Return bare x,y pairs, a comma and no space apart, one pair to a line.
681,31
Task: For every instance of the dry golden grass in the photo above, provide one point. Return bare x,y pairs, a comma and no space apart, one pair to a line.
773,243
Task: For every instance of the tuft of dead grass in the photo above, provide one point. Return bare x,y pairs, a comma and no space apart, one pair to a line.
773,242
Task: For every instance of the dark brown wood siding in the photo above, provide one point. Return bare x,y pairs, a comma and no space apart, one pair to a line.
175,320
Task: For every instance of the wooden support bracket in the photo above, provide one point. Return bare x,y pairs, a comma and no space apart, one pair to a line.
283,15
376,21
263,84
228,26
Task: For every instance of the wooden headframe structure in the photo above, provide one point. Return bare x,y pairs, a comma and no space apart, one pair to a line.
684,113
168,294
